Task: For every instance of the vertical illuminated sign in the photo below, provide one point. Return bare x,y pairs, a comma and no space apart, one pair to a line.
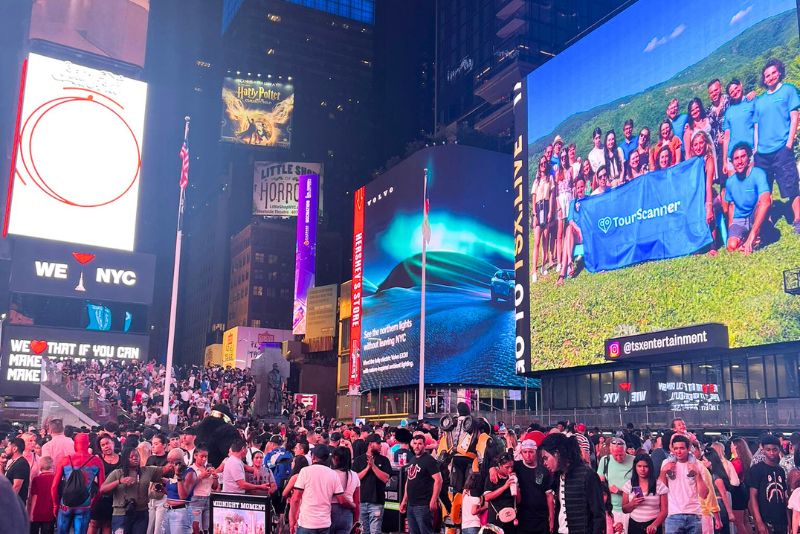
305,259
354,371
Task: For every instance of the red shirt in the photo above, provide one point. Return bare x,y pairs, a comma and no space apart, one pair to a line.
43,508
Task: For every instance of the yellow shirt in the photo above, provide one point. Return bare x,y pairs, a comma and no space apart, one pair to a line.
709,505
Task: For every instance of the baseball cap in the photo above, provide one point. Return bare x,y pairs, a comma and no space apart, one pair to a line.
321,452
618,441
527,444
558,139
580,427
276,439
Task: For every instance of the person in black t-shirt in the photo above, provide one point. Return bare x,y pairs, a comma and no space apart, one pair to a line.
373,470
768,489
18,471
535,511
423,484
503,493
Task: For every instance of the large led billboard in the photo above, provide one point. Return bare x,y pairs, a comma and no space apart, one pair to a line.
78,155
116,29
257,113
469,318
639,204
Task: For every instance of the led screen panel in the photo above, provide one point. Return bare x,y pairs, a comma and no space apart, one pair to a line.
78,155
655,216
469,318
257,113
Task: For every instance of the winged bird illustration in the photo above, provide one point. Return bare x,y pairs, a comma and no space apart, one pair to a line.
256,126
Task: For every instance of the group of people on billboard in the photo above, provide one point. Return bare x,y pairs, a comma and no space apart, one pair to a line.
747,142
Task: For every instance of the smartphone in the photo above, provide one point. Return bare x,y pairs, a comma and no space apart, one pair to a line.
637,490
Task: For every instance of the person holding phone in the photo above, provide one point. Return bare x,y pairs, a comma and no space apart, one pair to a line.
644,497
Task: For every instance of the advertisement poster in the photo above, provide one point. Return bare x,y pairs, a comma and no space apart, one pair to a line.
275,186
321,316
78,155
306,257
257,113
242,514
643,187
469,272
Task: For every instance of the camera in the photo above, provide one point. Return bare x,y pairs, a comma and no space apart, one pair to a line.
159,487
180,471
130,506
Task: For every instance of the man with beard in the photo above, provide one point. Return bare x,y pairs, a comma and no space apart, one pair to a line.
749,193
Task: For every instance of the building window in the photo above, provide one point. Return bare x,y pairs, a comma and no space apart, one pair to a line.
258,291
786,366
286,293
739,379
259,257
271,292
271,259
755,372
255,323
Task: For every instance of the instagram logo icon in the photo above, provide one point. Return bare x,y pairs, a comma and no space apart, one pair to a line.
613,350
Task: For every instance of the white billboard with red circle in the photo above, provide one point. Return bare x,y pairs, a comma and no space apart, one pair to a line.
78,148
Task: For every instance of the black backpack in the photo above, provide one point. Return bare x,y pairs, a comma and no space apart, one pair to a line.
75,491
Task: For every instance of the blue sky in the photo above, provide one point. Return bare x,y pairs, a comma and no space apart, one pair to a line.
644,45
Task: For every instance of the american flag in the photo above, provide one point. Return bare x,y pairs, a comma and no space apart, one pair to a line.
184,155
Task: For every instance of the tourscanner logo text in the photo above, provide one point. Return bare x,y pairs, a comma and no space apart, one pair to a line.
642,214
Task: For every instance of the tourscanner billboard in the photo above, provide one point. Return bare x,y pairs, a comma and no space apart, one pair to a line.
639,205
77,155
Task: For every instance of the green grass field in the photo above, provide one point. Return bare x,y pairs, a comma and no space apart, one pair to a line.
570,323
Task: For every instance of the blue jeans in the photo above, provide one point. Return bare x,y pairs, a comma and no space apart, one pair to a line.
420,520
470,530
75,518
199,511
371,517
302,530
341,519
135,523
683,524
177,521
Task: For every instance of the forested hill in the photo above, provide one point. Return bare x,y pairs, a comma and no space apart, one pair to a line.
742,57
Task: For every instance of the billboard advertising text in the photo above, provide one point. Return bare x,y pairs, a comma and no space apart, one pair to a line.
306,256
78,155
666,194
470,278
275,186
257,113
28,351
60,270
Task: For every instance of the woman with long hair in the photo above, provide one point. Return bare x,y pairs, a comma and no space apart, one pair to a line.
563,199
643,149
666,139
722,487
342,518
741,458
613,159
633,169
579,499
645,498
102,511
701,146
663,158
541,215
586,179
502,494
698,121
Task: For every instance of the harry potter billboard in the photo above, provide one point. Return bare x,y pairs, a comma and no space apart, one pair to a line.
257,113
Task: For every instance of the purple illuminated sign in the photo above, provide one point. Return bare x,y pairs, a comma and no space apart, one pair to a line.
305,260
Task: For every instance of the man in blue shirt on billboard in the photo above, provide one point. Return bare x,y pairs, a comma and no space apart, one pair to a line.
748,192
776,116
629,143
738,125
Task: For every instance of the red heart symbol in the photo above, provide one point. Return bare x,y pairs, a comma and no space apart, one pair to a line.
625,386
82,257
38,346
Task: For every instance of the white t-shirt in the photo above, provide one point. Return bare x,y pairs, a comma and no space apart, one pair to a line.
468,519
350,482
596,158
651,506
234,470
319,484
562,511
683,495
794,501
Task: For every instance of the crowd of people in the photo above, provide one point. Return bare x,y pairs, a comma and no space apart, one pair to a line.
324,476
138,389
747,142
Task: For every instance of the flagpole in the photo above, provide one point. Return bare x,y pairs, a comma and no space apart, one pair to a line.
173,308
421,401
